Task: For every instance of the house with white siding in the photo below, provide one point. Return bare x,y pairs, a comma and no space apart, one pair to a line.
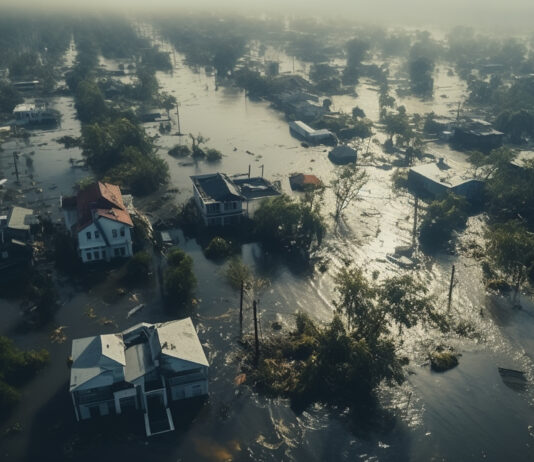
140,370
224,201
100,221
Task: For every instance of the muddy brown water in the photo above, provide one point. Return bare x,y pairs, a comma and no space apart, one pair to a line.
465,414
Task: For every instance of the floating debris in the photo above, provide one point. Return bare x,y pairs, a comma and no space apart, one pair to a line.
513,379
58,335
135,309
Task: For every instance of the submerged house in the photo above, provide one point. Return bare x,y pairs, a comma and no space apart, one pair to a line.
143,368
476,134
34,114
19,223
101,222
343,154
224,201
437,179
311,135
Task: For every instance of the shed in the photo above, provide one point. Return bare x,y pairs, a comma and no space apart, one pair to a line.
343,154
302,182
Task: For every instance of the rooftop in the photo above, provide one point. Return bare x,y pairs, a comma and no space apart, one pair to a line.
216,187
102,199
126,356
255,188
21,218
442,173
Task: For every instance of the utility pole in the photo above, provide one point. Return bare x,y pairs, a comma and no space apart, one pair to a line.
249,171
451,285
16,166
262,167
241,308
256,338
178,118
414,231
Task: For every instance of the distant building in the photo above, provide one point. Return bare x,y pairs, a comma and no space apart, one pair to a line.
223,201
343,154
143,368
15,257
100,221
437,179
311,135
476,134
34,114
19,224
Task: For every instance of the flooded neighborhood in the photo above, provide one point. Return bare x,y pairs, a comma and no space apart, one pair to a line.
231,236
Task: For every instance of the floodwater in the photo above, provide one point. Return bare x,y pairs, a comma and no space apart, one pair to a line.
465,414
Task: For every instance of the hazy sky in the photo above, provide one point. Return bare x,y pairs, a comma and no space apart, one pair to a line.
485,13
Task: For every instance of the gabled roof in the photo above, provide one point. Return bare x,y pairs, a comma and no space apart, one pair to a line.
178,339
95,356
124,357
216,187
101,199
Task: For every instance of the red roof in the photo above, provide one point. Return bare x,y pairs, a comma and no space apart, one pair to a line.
301,180
102,199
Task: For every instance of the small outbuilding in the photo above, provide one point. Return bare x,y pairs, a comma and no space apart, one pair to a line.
343,154
302,182
437,179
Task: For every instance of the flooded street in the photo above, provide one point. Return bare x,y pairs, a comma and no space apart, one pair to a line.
467,413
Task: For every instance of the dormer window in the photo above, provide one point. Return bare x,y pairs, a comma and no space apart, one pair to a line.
122,232
114,233
97,234
88,235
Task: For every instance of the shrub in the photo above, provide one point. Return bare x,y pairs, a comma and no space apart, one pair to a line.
180,150
213,155
217,248
138,268
178,279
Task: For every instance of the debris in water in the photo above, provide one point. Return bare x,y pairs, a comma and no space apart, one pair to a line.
240,379
512,378
135,309
57,335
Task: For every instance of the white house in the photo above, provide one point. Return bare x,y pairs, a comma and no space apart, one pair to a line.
307,133
218,199
143,368
99,219
223,201
33,114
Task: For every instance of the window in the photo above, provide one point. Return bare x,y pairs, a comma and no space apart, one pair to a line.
97,234
88,235
89,256
114,233
97,255
116,252
122,251
122,232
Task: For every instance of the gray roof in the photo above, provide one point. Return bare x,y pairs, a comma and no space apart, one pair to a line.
179,339
21,218
138,361
96,356
343,152
444,174
216,187
107,359
255,188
